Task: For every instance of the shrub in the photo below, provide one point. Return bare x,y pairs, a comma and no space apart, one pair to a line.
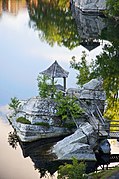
70,125
23,120
72,171
67,107
15,104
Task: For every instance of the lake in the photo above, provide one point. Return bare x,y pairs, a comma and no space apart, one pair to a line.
27,49
33,34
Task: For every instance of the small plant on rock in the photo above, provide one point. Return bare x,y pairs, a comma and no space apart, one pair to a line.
23,120
15,104
44,124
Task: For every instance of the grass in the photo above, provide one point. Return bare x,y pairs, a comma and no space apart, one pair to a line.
23,120
105,174
44,124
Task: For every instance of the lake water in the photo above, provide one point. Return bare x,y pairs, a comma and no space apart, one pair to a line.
24,54
33,34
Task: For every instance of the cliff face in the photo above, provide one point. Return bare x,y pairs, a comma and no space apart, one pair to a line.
91,5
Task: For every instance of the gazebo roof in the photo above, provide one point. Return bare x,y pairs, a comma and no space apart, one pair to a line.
55,71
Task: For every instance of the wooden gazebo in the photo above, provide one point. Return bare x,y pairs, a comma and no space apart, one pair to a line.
56,71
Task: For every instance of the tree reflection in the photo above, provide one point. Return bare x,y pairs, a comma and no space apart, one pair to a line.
13,140
111,32
54,21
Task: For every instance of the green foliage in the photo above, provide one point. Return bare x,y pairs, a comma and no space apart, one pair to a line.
70,125
15,104
110,33
23,120
46,86
104,174
72,171
83,69
112,110
106,66
67,107
113,7
45,124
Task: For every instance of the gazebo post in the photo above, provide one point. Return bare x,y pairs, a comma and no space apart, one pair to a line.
52,80
64,84
52,95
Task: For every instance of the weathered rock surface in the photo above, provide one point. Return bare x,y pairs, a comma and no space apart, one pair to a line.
76,145
91,5
38,110
92,90
92,95
29,132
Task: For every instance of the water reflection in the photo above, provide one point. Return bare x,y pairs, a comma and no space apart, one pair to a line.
89,28
53,20
12,6
13,139
39,152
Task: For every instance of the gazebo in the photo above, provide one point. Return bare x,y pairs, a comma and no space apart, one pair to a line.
56,71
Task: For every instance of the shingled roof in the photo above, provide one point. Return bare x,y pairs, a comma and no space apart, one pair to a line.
55,71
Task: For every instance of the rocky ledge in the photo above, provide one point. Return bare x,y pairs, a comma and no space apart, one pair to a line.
42,117
82,142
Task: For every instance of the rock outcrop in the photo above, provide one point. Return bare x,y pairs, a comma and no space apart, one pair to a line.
77,145
91,94
40,112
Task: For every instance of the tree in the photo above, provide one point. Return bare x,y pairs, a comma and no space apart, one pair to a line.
106,66
46,86
72,171
112,110
84,74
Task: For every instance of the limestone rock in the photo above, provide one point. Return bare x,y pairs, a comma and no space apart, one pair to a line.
91,5
29,133
76,145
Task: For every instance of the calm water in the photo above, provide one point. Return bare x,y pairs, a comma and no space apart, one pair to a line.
33,34
23,54
13,165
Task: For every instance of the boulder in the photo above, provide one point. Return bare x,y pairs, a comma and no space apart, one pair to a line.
76,145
